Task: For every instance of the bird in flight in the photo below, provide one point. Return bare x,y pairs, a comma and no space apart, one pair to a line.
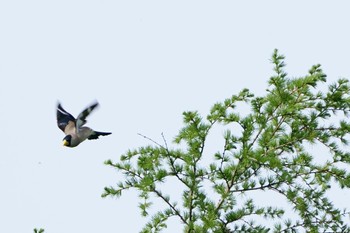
73,128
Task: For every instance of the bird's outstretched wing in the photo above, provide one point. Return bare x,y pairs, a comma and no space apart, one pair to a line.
63,117
81,119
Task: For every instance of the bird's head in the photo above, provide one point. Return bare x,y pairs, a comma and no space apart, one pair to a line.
67,140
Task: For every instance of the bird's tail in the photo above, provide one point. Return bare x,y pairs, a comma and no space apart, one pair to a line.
96,134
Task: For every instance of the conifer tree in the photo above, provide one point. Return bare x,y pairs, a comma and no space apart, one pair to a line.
266,150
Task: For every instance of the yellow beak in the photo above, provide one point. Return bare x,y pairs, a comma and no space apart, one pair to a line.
65,143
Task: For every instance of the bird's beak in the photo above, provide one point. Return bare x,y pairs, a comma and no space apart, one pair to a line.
65,143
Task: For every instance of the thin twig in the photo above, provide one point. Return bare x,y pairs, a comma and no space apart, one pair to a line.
150,139
176,211
165,142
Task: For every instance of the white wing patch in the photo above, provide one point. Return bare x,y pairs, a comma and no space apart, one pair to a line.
63,112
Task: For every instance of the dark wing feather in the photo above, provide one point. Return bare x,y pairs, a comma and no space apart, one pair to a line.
63,117
96,134
81,119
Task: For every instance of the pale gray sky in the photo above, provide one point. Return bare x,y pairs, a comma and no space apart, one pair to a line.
145,62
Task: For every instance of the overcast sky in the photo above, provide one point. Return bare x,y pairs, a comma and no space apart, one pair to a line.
145,62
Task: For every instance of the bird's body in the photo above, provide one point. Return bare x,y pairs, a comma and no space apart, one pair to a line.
73,128
77,138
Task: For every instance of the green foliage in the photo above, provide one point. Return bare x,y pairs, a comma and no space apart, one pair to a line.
267,149
39,230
